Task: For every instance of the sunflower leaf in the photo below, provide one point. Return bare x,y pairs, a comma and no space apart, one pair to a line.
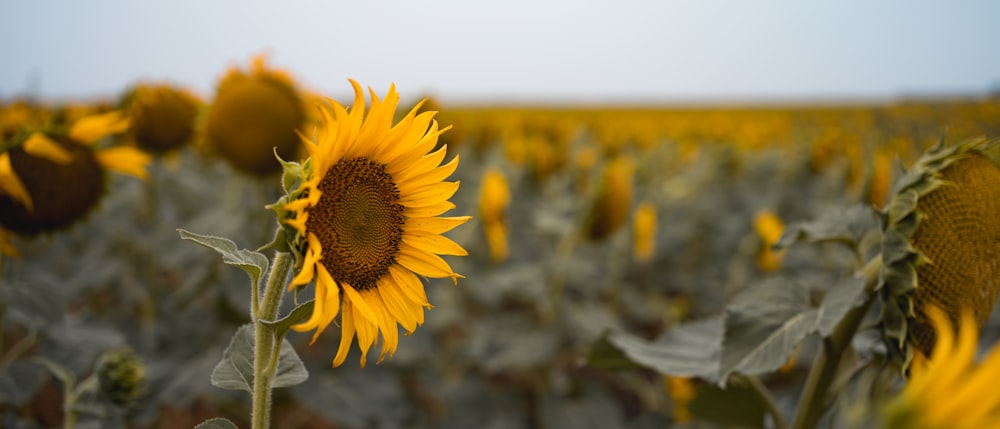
235,370
254,263
216,423
744,407
298,315
847,226
687,350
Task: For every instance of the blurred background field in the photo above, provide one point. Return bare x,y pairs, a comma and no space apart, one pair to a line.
627,167
508,346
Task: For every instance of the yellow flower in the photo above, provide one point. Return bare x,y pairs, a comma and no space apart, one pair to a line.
768,227
949,390
494,197
644,231
682,391
611,208
254,115
365,220
49,181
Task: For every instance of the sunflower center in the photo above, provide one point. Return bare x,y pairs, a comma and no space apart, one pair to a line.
358,221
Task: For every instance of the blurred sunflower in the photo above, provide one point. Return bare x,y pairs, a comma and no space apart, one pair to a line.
49,180
768,228
644,231
494,197
363,213
949,390
254,115
941,244
611,208
163,117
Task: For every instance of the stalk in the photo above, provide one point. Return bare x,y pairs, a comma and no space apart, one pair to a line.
265,355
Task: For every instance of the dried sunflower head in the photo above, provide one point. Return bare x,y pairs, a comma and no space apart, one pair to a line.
941,244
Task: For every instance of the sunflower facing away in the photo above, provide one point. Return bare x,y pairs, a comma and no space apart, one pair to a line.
363,220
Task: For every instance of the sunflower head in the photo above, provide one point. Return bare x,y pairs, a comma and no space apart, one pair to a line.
255,114
941,244
163,117
362,216
610,210
768,227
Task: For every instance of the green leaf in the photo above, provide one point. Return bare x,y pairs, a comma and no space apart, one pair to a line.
846,225
765,322
216,423
299,314
762,326
235,370
254,263
687,350
736,405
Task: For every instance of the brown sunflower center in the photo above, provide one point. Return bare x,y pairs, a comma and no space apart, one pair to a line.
358,221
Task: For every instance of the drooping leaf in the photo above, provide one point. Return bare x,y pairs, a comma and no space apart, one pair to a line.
235,370
762,326
254,263
687,350
216,423
846,225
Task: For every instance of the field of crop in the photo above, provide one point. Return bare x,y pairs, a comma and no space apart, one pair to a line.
627,267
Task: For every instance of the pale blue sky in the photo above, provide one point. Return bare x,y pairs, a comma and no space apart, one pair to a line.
514,50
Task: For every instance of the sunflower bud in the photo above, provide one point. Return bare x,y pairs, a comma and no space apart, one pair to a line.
121,376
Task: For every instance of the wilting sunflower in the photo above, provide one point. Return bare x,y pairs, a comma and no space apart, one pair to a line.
49,180
949,390
941,244
363,217
254,115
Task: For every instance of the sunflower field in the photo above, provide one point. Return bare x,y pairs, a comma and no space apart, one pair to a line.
271,256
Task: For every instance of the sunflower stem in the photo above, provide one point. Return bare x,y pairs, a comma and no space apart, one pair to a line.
264,364
827,363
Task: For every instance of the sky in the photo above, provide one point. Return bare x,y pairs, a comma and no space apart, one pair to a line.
537,51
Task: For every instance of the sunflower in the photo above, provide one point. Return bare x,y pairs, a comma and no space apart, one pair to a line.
363,216
163,117
768,228
254,114
494,197
610,209
49,180
949,390
941,243
644,231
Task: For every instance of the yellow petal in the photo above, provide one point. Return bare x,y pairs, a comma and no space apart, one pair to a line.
434,225
429,195
95,127
125,160
424,263
346,333
434,243
11,185
40,145
428,211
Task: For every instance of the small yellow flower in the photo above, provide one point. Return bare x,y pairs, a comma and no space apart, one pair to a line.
494,197
769,228
644,231
365,217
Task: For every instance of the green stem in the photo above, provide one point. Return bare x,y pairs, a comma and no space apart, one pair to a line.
824,368
765,395
264,364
